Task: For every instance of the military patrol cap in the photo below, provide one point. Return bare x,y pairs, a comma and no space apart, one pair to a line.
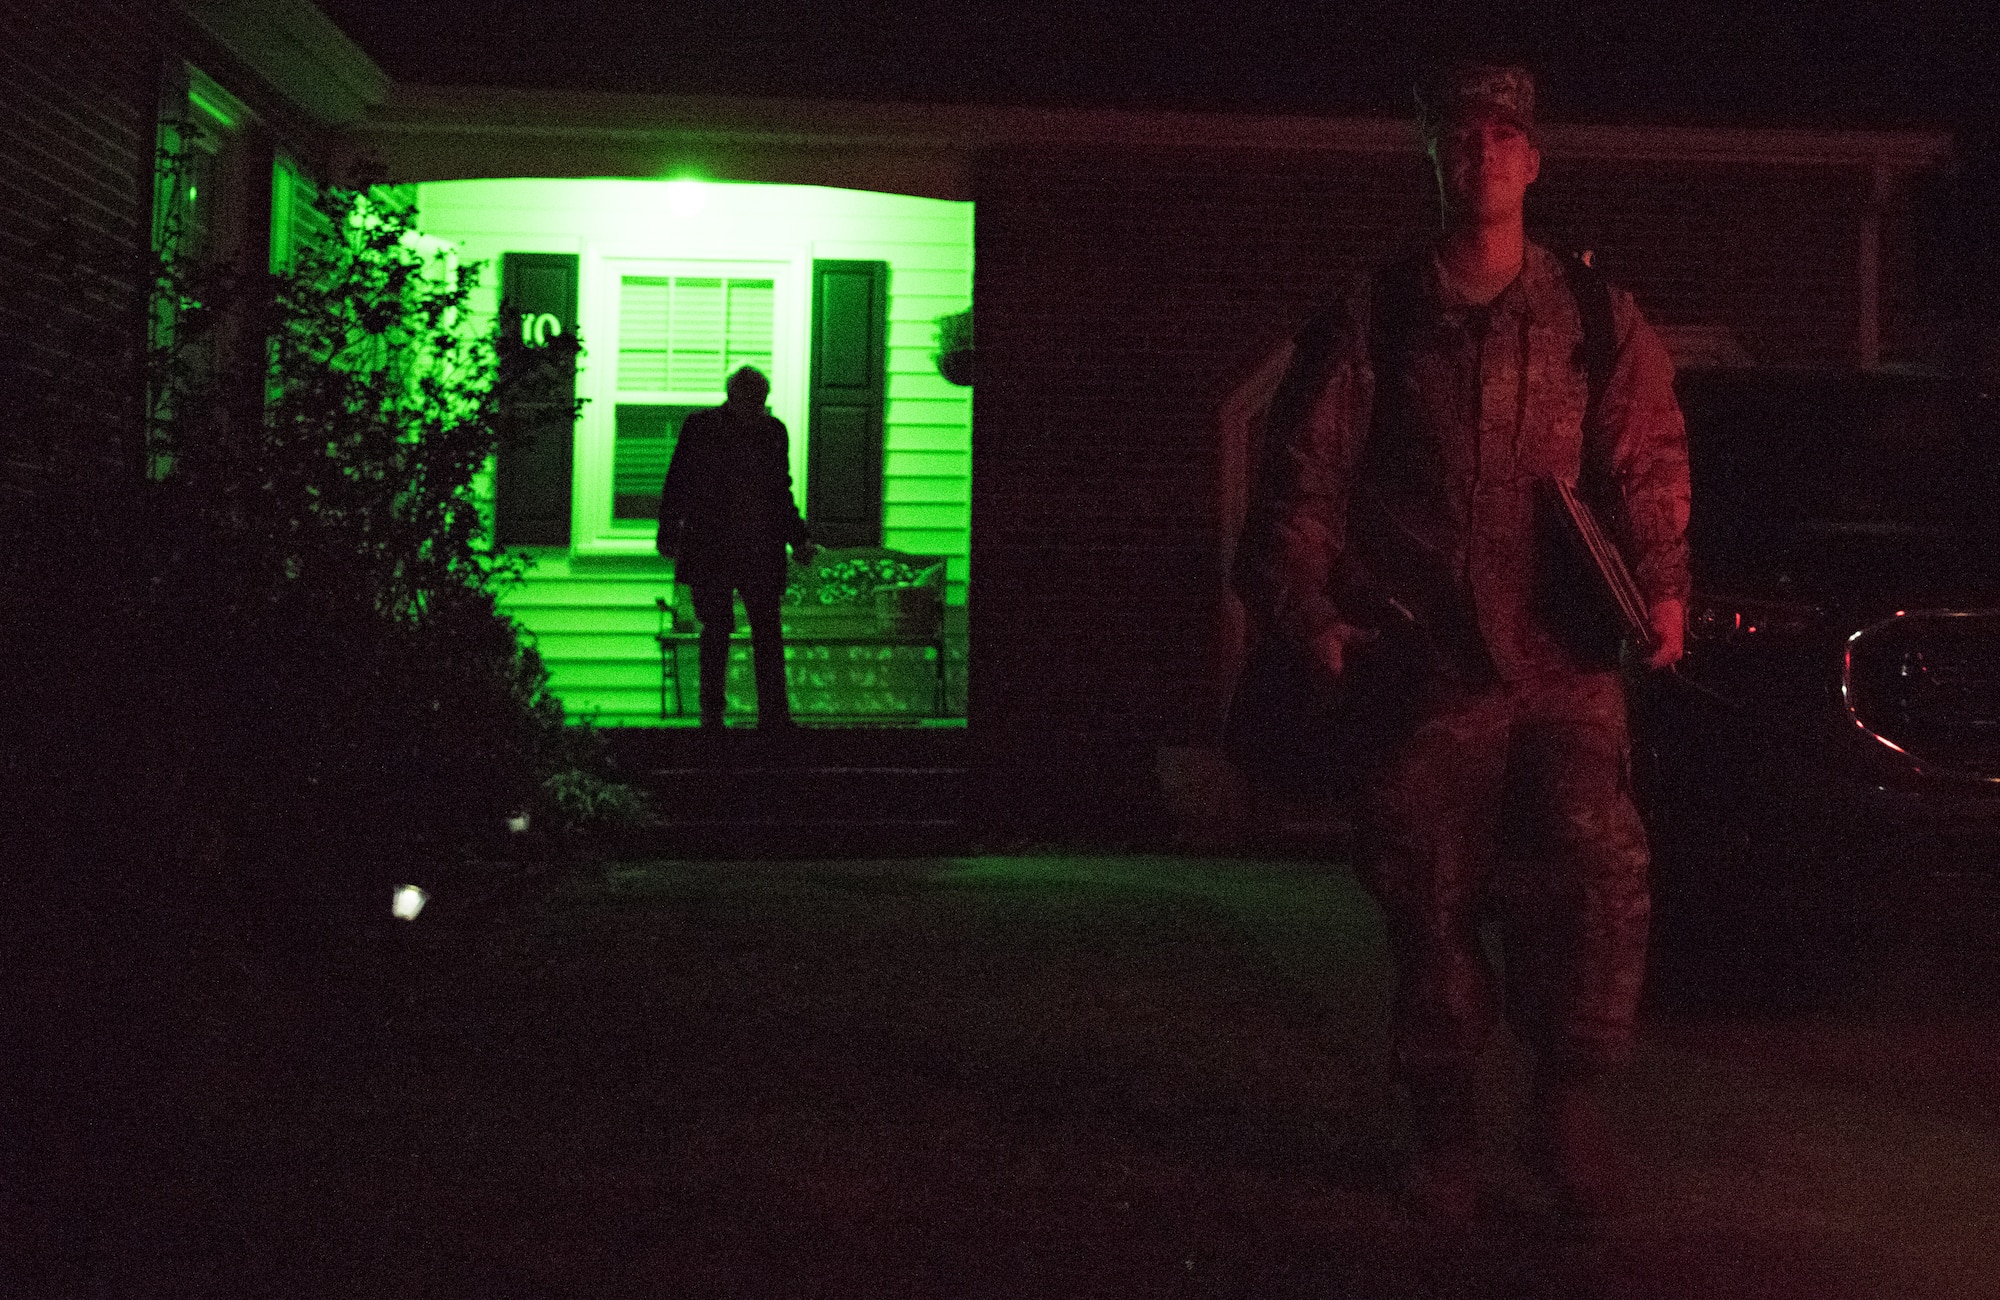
1464,92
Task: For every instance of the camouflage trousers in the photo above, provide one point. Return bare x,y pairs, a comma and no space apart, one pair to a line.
1512,803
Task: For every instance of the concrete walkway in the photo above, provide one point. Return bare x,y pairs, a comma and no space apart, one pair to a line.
1014,1077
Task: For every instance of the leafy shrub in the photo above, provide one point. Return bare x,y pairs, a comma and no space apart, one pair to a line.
581,801
271,649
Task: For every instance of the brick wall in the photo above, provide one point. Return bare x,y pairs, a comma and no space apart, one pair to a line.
1772,252
1928,290
1119,298
78,103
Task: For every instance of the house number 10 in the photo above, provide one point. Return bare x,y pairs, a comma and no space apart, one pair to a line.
535,329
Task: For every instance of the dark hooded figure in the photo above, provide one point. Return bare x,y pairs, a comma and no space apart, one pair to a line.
726,516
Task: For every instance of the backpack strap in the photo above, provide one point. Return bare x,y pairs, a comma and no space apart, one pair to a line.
1598,352
1396,301
1395,297
1312,359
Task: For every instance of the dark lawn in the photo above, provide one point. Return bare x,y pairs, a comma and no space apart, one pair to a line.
1004,1077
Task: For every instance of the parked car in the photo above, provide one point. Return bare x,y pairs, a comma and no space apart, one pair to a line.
1833,734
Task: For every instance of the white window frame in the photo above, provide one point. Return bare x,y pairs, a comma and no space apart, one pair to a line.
592,529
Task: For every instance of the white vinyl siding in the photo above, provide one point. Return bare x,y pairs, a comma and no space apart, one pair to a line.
593,615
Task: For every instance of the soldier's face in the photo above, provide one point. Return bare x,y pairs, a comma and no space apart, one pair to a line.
1485,166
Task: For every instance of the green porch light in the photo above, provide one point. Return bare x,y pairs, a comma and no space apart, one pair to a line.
687,198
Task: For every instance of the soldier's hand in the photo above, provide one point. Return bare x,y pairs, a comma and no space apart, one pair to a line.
1669,619
803,552
1330,648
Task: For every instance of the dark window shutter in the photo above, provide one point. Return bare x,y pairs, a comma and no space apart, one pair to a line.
538,296
849,390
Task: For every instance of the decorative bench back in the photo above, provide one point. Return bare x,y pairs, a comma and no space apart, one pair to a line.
854,591
863,590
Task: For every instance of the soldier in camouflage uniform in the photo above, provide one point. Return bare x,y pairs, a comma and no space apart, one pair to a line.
1407,486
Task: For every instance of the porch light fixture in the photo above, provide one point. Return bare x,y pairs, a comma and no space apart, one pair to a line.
687,199
408,901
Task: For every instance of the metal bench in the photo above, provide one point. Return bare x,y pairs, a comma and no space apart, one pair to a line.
849,596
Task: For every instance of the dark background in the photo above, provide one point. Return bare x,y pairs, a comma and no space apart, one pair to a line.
1820,63
1930,64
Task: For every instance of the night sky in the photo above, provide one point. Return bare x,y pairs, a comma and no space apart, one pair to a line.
1929,63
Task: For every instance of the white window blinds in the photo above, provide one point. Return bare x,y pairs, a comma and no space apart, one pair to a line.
683,335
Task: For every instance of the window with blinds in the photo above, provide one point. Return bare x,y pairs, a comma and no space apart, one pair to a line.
679,339
201,205
295,221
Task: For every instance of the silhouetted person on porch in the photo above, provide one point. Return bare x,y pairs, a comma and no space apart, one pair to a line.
726,516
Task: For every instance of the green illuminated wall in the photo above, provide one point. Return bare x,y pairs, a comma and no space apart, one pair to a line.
590,605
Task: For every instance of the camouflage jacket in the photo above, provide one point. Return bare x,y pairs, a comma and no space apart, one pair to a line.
1432,507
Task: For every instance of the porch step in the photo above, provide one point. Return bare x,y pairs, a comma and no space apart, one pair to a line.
818,791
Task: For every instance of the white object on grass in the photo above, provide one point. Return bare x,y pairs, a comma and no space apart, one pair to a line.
517,822
408,902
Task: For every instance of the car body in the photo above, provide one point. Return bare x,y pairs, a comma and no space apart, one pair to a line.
1835,726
